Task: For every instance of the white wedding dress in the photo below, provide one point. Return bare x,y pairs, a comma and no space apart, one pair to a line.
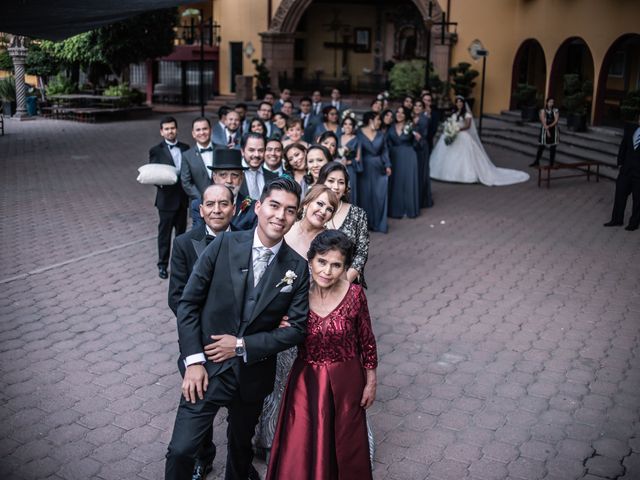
466,161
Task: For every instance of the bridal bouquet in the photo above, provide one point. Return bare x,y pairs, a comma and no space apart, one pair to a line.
347,153
451,130
408,128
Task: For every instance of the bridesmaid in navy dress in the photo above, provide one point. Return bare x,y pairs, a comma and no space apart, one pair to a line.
404,194
350,156
373,183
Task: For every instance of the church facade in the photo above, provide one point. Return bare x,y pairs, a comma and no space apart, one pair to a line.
352,43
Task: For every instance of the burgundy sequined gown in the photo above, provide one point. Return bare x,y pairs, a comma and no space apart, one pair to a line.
322,431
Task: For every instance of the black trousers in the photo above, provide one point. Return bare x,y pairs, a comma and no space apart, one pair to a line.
552,153
169,219
627,183
194,420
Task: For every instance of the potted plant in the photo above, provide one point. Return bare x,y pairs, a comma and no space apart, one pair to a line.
630,106
262,76
462,81
8,95
525,98
576,95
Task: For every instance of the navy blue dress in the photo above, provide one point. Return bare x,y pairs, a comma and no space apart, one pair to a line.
373,184
320,129
424,151
404,196
354,170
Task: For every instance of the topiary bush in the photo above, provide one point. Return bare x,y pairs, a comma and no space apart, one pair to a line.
630,106
407,78
462,80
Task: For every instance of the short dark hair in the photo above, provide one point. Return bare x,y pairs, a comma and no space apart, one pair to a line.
332,240
369,116
265,103
222,111
328,169
241,105
249,135
285,184
200,119
306,99
289,102
168,119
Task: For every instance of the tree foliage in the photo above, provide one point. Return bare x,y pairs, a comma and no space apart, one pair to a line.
134,40
407,78
463,79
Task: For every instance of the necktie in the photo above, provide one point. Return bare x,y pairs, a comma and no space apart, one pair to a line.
261,256
208,149
636,139
209,238
254,185
230,139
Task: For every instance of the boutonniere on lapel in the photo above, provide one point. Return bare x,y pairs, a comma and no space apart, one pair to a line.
246,203
287,281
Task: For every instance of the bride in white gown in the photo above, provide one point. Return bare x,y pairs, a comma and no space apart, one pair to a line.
465,160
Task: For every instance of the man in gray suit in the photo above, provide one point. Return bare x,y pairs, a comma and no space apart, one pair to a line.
194,174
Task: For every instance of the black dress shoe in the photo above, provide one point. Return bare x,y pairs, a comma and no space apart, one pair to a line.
162,273
200,471
613,224
631,228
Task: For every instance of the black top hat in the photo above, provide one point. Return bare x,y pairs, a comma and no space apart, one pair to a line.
227,159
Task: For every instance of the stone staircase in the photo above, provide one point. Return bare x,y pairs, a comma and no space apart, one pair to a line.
599,144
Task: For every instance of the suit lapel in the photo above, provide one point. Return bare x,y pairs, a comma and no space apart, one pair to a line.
199,241
239,264
271,278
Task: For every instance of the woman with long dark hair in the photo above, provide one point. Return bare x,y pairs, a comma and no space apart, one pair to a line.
549,118
376,167
349,154
404,196
330,121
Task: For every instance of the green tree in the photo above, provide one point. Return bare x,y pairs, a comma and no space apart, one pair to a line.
462,79
407,78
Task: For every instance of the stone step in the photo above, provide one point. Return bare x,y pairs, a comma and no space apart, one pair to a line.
568,156
530,135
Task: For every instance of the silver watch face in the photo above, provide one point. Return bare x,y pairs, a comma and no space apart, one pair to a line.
239,351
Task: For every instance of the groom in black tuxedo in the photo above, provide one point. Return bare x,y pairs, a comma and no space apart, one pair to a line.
241,287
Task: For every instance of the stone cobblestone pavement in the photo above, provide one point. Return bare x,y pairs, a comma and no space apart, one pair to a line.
507,322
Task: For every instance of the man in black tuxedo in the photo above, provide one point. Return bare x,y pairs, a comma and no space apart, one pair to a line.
194,174
628,181
433,117
216,210
243,284
171,200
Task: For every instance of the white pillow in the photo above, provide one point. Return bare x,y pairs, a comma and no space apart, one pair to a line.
157,174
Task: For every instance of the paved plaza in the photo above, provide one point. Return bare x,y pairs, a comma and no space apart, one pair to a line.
507,319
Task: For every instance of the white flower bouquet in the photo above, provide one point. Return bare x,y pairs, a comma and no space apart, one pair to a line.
451,129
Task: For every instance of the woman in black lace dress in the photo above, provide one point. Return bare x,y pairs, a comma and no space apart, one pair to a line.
349,219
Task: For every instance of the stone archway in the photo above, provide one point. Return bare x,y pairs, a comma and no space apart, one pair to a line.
529,67
572,56
278,41
620,64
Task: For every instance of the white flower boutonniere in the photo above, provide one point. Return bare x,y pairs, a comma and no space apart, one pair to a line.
288,278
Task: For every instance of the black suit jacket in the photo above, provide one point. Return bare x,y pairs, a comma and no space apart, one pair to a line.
244,218
186,250
628,158
432,127
168,197
212,304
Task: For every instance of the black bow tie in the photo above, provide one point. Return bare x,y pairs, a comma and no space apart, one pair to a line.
208,149
209,238
170,145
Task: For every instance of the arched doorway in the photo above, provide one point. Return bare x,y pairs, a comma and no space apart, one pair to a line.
572,57
530,68
349,40
619,74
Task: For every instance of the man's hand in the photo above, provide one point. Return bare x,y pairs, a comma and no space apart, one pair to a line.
195,380
388,171
223,348
284,322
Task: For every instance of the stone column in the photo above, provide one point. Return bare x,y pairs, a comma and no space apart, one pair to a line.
18,53
277,50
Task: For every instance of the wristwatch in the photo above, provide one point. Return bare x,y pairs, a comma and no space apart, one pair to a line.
239,347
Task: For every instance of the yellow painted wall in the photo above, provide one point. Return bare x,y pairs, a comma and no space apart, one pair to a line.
503,25
242,21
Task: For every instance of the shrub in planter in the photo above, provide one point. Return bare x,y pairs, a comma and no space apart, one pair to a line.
8,95
60,85
576,93
407,78
262,76
462,80
630,106
525,96
128,96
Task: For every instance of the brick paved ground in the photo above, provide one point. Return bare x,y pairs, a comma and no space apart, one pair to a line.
507,322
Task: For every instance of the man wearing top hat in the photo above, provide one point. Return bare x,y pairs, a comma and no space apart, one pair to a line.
227,169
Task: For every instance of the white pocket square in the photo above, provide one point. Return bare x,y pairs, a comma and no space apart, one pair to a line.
286,289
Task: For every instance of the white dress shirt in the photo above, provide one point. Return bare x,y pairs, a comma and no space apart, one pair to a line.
207,158
176,154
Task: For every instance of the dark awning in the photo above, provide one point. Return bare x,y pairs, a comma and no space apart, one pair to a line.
59,19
